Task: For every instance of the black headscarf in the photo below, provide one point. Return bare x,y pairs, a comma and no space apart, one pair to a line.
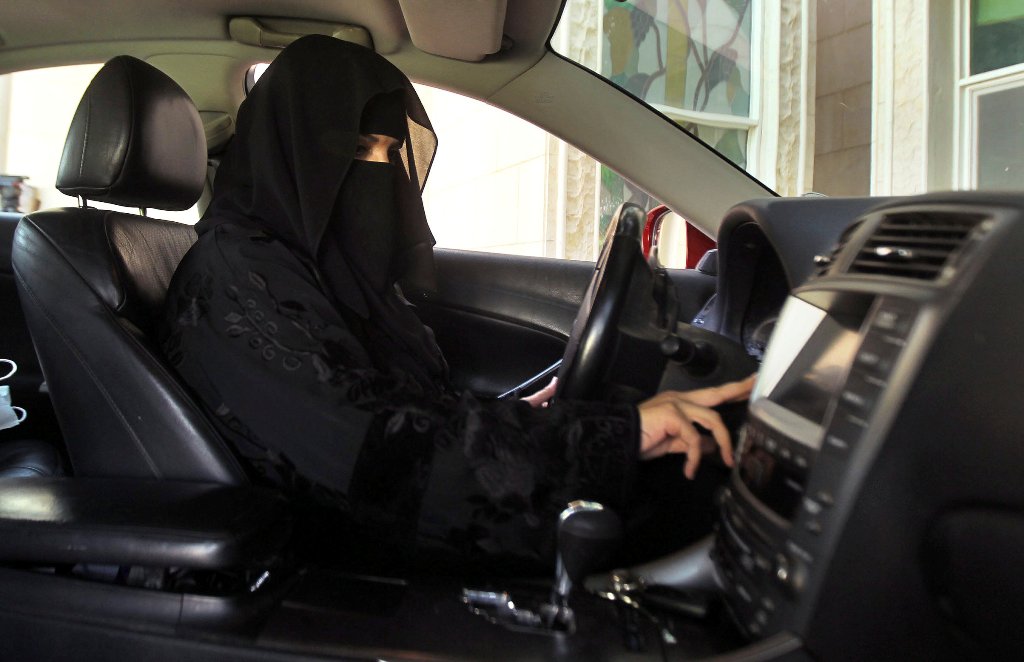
291,172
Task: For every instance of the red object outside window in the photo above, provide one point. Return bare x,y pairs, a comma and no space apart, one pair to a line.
697,243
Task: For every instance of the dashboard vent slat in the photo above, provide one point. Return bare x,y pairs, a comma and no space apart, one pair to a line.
919,245
824,262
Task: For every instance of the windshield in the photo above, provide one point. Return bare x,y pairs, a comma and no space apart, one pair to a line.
840,97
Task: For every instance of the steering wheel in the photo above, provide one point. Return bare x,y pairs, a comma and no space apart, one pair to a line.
591,346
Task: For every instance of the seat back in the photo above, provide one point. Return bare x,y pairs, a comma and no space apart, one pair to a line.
92,283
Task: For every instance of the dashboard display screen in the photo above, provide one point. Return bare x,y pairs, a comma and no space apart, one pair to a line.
807,360
807,389
805,366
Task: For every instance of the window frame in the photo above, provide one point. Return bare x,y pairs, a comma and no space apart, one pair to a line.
763,69
969,89
752,123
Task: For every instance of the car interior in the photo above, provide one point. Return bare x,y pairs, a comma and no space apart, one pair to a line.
875,510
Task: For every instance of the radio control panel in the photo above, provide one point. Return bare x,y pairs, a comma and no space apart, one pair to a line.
795,454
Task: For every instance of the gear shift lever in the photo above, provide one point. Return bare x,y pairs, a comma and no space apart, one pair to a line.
587,536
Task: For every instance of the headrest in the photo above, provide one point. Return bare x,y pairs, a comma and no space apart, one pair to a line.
136,140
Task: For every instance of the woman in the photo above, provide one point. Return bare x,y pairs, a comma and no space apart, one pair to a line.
285,320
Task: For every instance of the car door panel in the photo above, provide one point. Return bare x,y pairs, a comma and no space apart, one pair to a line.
501,319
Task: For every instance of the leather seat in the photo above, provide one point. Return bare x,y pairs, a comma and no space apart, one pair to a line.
92,282
28,458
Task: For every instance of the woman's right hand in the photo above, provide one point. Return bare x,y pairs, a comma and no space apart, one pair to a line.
667,422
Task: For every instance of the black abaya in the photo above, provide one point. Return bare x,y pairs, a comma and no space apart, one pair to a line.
320,375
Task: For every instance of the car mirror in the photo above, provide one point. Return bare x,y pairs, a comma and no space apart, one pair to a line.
668,241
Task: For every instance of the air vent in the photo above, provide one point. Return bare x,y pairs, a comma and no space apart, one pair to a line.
822,263
916,245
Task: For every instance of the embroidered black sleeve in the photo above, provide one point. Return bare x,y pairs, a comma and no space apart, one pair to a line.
290,386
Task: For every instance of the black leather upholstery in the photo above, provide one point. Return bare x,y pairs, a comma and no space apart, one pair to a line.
140,522
92,283
28,459
135,140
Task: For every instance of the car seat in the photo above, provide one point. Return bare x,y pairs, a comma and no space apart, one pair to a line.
92,282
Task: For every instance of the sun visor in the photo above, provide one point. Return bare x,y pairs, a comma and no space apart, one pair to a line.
459,29
279,32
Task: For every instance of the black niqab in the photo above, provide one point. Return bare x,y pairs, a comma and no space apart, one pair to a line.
292,173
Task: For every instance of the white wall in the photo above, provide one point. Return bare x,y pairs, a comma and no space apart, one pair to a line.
487,189
40,106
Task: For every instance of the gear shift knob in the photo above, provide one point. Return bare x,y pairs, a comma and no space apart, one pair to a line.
587,535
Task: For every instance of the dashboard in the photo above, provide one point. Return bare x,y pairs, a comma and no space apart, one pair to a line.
877,501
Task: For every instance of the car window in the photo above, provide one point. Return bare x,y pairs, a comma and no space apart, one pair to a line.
33,133
501,184
32,137
841,97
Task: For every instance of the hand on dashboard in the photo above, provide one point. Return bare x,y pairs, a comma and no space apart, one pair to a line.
667,422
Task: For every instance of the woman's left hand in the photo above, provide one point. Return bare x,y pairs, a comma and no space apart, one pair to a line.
543,396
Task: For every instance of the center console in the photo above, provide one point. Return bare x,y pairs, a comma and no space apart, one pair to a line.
818,393
877,482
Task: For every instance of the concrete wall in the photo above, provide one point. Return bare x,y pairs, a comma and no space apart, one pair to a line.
842,140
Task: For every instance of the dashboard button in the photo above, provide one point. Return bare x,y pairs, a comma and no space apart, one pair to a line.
812,506
876,355
859,395
877,382
782,569
887,320
845,429
849,418
836,443
894,318
869,359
